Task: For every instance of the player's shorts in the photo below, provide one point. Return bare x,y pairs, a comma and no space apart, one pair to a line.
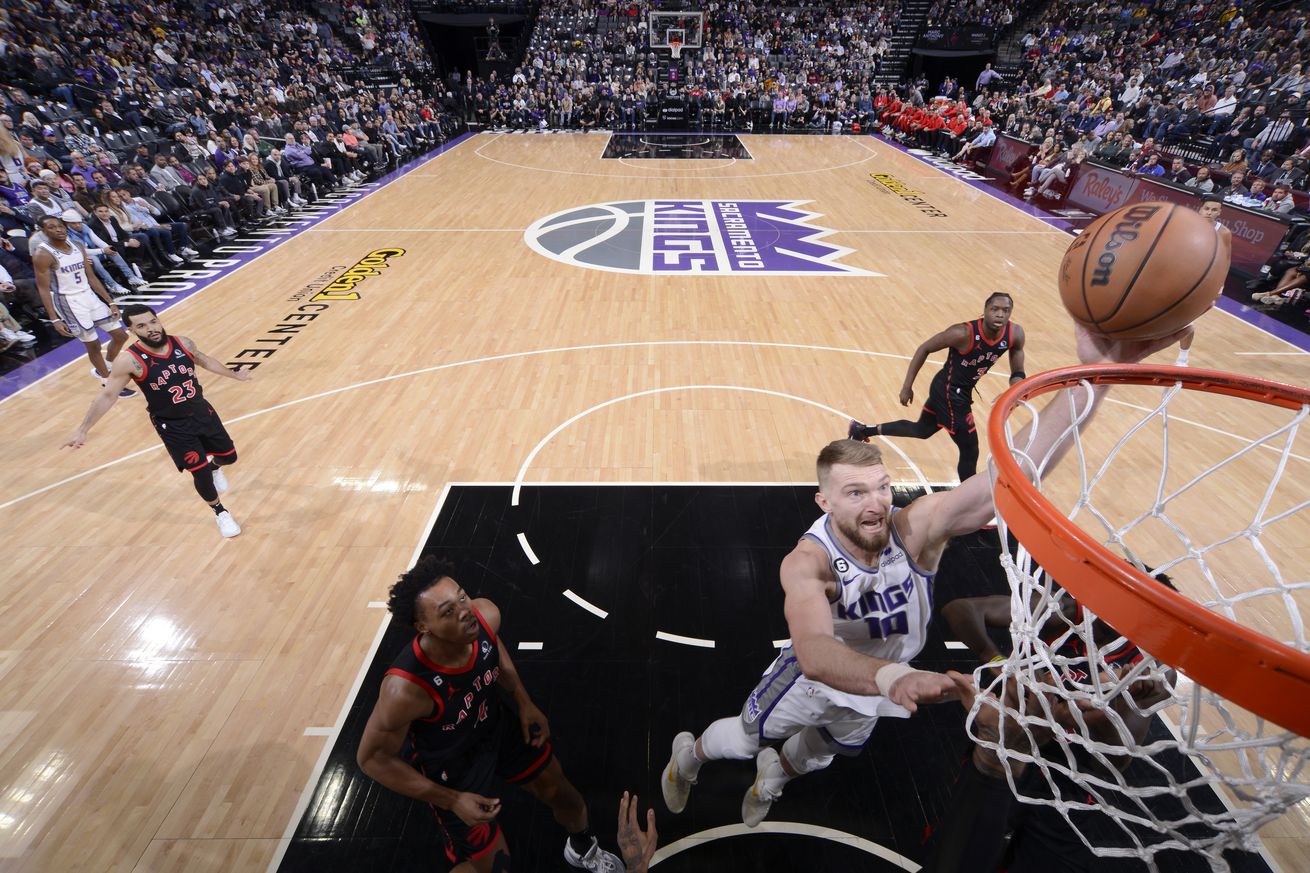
952,406
82,313
190,438
784,702
499,756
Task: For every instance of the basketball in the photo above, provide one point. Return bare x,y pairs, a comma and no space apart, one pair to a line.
1143,271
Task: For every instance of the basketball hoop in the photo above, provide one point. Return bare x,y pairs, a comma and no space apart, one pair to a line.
1239,696
675,46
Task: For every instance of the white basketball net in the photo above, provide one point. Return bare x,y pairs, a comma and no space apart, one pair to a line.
1062,721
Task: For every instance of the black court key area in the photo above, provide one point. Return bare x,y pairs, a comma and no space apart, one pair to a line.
692,562
638,145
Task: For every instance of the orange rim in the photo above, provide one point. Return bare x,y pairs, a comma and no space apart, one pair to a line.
1257,673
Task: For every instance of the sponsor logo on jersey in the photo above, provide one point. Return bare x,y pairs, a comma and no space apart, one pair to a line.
486,647
692,237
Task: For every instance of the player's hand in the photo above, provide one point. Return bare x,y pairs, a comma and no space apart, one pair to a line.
1095,349
636,847
76,440
922,686
240,375
907,396
474,809
535,727
62,328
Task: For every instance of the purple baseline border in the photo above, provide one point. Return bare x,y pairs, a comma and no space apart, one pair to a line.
1273,326
31,372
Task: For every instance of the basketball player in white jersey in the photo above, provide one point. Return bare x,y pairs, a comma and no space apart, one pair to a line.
858,591
74,296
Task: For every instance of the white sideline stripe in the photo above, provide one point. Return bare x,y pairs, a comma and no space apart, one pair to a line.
590,607
783,827
318,731
530,647
527,550
686,641
308,791
955,644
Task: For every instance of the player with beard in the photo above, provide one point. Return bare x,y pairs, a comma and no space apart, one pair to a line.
165,368
858,599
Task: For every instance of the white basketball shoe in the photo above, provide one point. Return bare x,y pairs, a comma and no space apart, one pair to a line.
227,525
675,786
759,797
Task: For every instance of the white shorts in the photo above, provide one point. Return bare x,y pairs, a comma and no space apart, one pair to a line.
784,702
82,313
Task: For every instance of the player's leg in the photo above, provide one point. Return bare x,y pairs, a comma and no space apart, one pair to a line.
736,738
97,357
186,447
218,445
924,427
965,437
553,788
492,859
832,731
117,339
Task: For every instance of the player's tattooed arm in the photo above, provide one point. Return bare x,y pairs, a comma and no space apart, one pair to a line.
210,363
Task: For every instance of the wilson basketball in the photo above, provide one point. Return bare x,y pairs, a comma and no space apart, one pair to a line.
1143,271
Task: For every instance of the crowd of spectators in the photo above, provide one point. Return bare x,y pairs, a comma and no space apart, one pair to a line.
810,64
1121,82
151,125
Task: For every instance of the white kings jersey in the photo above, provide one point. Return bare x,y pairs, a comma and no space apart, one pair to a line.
69,275
879,611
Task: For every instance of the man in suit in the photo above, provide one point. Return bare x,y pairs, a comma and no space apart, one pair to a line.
134,246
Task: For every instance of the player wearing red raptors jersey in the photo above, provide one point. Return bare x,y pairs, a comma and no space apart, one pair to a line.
973,347
165,368
443,732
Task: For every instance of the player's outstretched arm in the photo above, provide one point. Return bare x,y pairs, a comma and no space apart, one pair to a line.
824,659
928,523
120,372
536,729
399,703
212,364
954,336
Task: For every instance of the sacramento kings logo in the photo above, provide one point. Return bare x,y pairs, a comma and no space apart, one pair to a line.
681,237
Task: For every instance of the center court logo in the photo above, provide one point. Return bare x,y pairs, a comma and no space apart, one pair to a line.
680,237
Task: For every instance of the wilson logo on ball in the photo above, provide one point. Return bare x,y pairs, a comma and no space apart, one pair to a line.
686,237
1125,231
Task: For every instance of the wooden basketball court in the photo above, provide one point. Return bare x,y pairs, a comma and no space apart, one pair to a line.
167,694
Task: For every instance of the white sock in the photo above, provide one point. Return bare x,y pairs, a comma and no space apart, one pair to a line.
1182,358
688,763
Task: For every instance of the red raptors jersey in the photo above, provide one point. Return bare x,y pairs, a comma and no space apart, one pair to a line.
463,698
169,383
964,370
